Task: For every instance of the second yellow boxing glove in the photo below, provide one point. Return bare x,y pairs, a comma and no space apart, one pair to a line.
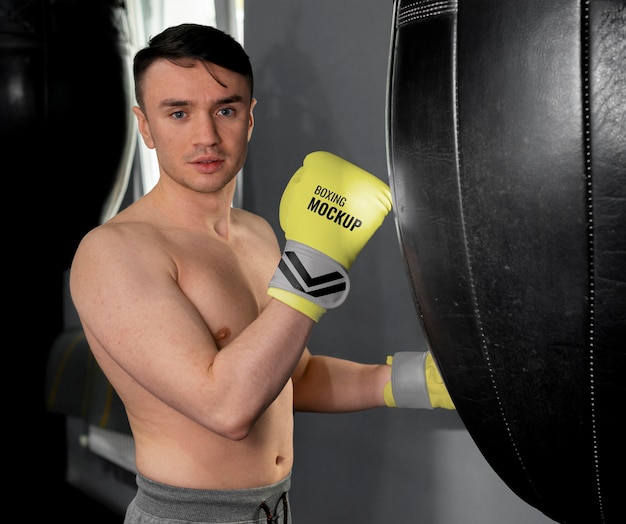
416,382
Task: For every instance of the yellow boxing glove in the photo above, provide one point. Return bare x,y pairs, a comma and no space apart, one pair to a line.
329,210
415,382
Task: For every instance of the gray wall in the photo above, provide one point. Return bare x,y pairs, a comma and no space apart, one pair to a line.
321,72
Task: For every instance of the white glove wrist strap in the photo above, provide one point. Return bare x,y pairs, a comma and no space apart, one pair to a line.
408,380
311,274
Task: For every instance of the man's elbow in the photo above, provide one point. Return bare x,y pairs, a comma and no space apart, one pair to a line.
234,426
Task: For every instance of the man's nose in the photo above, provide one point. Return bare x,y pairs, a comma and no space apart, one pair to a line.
207,131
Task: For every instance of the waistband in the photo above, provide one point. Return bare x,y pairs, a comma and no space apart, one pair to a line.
200,505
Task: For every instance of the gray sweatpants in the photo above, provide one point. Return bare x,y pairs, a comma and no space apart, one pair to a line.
157,503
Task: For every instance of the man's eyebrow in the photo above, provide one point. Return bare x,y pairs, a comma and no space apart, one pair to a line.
175,102
229,100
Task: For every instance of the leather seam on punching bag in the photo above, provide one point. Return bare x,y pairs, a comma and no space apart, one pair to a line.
472,282
586,125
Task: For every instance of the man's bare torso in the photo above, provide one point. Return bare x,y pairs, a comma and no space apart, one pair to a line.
226,282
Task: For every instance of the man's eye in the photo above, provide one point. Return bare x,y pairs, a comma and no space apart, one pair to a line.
226,111
177,115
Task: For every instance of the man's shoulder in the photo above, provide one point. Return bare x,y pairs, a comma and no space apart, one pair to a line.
115,239
135,219
119,229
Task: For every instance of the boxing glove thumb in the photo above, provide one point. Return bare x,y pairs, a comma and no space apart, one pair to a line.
329,210
416,382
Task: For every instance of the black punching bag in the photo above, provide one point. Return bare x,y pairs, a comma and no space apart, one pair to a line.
507,160
65,122
66,137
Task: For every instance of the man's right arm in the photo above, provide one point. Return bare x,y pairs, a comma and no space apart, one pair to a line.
127,295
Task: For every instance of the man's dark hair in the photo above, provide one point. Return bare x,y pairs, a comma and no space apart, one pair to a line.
186,42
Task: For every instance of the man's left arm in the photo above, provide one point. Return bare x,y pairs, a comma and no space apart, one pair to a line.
332,385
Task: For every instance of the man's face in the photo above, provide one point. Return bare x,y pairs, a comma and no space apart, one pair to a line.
199,120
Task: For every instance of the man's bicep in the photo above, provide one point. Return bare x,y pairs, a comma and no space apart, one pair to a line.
136,313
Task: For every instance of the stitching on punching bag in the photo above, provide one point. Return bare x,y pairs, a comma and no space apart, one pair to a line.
586,103
424,9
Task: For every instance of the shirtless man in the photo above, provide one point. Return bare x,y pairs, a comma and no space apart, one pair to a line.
173,297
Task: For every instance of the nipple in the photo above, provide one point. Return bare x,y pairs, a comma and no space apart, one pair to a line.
222,336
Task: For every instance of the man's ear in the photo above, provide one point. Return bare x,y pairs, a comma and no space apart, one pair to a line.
251,117
143,126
